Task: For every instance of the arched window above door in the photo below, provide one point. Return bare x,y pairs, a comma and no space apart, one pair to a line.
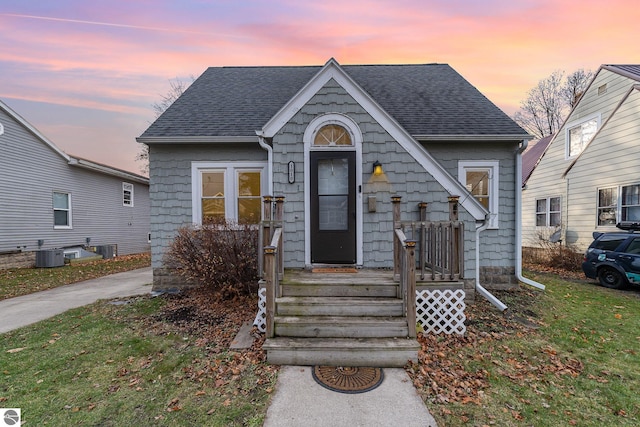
332,135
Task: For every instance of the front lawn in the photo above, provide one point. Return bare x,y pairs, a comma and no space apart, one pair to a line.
565,356
15,282
143,361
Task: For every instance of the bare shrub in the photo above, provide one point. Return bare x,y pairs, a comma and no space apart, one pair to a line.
552,254
219,255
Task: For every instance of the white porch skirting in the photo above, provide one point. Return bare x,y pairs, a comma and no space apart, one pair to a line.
437,311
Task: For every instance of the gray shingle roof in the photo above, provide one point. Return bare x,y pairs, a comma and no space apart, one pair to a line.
429,99
628,70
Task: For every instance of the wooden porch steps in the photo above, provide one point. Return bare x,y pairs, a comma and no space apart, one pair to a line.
375,352
338,306
343,319
341,327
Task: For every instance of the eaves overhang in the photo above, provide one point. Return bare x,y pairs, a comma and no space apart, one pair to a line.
197,139
107,170
467,137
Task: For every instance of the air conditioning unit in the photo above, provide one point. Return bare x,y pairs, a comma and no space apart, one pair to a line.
50,258
107,251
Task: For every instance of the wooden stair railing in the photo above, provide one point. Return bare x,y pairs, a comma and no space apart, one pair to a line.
407,273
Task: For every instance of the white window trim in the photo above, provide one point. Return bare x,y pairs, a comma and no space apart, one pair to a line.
230,170
70,216
126,186
494,196
574,124
547,212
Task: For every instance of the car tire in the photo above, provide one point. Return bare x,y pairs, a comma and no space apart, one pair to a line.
611,278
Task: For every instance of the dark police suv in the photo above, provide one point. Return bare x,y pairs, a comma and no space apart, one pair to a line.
614,257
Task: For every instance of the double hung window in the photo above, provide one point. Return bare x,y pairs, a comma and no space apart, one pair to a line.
61,210
227,191
617,204
548,212
481,179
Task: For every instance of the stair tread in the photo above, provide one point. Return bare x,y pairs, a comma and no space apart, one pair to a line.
335,319
338,300
341,343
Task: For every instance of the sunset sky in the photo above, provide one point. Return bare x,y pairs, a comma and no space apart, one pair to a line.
86,73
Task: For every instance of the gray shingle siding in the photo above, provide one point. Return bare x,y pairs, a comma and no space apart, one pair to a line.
170,177
427,101
498,246
405,175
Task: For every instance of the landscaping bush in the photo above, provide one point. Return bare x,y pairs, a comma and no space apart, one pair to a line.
220,255
555,255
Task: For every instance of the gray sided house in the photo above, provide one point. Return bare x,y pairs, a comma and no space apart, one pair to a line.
588,177
314,134
51,200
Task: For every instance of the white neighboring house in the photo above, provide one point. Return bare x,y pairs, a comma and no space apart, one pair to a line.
51,200
588,178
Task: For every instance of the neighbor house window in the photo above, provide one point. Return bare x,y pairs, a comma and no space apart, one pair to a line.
127,194
630,203
481,180
61,210
228,191
580,133
617,204
548,212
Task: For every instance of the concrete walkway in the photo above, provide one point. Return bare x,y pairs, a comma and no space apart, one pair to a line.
300,401
28,309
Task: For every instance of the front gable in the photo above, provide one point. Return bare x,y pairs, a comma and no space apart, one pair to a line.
332,72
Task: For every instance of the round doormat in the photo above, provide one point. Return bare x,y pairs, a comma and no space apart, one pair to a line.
347,379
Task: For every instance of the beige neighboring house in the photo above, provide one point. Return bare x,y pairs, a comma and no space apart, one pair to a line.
588,178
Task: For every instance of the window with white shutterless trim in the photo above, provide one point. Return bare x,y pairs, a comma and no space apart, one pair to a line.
228,190
61,210
127,194
481,179
579,133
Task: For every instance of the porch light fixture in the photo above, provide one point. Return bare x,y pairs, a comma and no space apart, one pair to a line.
377,168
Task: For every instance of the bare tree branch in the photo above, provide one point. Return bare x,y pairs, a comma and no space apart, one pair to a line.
176,89
544,109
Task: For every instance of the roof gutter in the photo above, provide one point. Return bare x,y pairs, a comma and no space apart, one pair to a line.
196,139
519,276
97,167
474,138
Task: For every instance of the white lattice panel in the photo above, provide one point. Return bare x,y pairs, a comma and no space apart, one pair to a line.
260,321
439,311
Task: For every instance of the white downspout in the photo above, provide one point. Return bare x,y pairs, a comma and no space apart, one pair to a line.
519,276
269,149
481,290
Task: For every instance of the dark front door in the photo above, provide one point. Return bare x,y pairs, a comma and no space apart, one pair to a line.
333,207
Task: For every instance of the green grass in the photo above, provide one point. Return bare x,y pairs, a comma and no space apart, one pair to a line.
22,281
581,367
113,365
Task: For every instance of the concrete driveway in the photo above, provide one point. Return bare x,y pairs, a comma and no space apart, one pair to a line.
28,309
